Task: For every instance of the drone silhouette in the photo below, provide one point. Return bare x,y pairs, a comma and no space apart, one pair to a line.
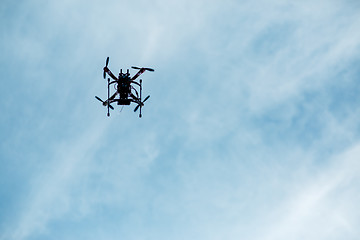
126,87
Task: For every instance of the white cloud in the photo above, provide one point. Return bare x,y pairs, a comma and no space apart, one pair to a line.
49,193
238,137
323,206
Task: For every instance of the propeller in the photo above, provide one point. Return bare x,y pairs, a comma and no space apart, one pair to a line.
107,62
136,108
149,69
141,104
146,98
104,103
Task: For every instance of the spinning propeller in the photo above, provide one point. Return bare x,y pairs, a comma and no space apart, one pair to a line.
107,62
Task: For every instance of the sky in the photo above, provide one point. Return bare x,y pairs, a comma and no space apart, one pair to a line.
251,131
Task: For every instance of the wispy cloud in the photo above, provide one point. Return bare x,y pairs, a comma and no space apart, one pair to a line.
323,206
49,195
251,131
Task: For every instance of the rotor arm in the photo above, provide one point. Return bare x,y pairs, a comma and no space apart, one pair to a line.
107,70
141,71
111,99
136,101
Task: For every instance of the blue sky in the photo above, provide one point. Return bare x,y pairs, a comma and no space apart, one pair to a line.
251,132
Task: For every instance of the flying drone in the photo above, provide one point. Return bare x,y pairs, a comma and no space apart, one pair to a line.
125,87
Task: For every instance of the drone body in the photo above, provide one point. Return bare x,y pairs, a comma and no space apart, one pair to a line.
128,89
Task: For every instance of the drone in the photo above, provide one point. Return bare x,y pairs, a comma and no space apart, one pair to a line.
126,88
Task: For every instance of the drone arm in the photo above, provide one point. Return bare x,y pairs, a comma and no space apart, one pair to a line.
110,73
141,71
114,100
135,101
110,99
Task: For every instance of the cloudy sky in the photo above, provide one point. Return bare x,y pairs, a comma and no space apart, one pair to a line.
252,130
